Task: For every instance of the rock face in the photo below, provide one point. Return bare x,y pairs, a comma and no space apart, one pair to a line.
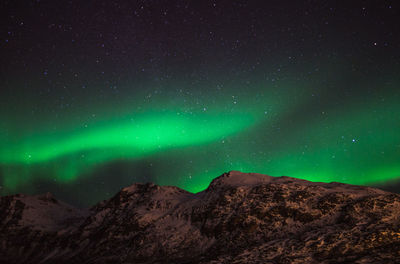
239,218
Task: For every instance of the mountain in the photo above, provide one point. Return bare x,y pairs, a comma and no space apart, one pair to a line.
239,218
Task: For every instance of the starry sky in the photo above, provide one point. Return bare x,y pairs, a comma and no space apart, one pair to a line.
97,95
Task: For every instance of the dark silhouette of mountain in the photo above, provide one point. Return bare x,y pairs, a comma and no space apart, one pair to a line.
239,218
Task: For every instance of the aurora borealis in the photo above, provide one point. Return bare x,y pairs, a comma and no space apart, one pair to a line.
97,96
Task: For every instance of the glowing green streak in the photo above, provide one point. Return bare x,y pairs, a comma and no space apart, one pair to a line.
189,150
318,151
71,155
140,136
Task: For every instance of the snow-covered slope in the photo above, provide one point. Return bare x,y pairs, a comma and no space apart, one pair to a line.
239,218
248,180
39,212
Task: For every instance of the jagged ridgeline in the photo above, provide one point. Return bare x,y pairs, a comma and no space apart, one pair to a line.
239,218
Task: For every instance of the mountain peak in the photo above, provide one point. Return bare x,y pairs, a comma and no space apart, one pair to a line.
48,196
248,180
153,189
237,178
240,218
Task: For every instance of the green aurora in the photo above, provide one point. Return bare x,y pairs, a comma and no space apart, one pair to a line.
134,139
97,96
188,147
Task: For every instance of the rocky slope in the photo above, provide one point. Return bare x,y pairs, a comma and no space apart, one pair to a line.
240,218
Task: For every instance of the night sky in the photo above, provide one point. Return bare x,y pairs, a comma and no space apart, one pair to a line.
97,95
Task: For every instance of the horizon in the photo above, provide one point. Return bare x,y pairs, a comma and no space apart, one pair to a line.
95,96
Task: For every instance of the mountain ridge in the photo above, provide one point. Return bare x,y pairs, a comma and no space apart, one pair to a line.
239,218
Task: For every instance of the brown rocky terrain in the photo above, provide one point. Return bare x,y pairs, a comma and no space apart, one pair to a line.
239,218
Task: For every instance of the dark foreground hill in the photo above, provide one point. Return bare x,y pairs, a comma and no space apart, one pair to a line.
240,218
